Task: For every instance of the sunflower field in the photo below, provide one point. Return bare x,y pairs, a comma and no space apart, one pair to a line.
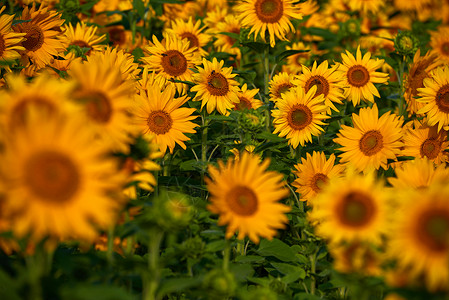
224,149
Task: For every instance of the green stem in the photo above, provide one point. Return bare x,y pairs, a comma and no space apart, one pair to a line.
153,265
266,82
110,250
205,124
313,271
226,255
400,73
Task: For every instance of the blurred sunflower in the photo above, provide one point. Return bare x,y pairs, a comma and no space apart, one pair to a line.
313,173
225,43
106,102
435,96
365,6
418,174
83,36
120,60
48,94
279,84
213,18
359,75
327,82
171,59
299,115
422,227
296,61
41,31
160,114
215,86
247,100
352,208
59,185
407,5
356,257
192,32
425,141
268,15
10,40
439,42
372,141
246,196
419,70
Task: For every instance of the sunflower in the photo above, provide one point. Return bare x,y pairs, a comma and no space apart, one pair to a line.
419,173
435,96
298,115
246,196
419,70
192,32
225,43
357,258
171,59
120,60
271,15
213,18
51,96
279,84
439,42
160,114
327,82
215,86
313,173
372,141
247,100
106,102
422,227
425,141
359,75
9,40
83,36
41,32
296,61
407,5
365,6
59,185
352,208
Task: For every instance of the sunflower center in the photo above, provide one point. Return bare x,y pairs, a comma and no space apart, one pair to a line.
82,44
430,148
2,45
282,88
217,84
318,181
98,106
243,104
358,76
174,63
445,48
159,122
242,201
117,36
52,176
322,86
442,99
299,117
356,209
34,37
269,11
193,39
231,40
20,111
434,230
371,142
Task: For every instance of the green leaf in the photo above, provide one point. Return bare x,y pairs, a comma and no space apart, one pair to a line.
249,259
139,6
305,296
287,268
258,47
216,246
95,292
192,165
294,276
15,22
278,249
7,287
288,53
177,284
241,271
269,136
